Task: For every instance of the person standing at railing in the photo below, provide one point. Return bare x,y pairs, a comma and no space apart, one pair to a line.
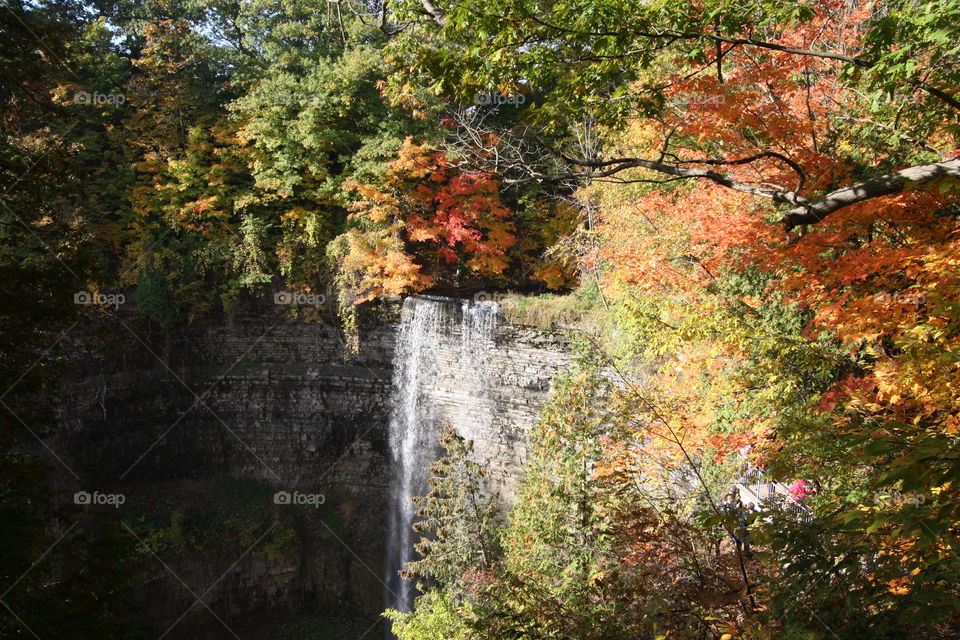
733,506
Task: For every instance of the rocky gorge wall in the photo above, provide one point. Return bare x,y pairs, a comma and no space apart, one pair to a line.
488,379
200,428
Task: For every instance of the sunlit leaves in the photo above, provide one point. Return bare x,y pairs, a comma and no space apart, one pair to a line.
424,216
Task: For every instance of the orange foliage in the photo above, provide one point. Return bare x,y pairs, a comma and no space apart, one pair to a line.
424,219
882,276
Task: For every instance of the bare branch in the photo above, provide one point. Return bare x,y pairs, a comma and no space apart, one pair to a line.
436,13
813,211
519,155
673,35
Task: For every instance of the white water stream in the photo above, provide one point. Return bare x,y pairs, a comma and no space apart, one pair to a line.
425,350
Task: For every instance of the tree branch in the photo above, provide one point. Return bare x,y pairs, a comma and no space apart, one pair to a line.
827,55
610,167
519,157
671,34
436,13
804,211
813,211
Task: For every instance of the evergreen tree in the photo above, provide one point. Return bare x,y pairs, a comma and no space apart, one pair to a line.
459,546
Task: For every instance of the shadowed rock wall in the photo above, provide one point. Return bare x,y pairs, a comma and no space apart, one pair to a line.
211,421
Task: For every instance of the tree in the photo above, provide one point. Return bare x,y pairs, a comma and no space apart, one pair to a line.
459,546
64,573
614,62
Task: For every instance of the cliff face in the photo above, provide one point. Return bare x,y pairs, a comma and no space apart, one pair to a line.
488,380
200,429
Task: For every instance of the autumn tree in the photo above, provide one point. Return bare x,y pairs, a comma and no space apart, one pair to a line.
65,573
612,62
823,353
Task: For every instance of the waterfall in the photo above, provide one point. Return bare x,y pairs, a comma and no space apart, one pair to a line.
410,433
430,355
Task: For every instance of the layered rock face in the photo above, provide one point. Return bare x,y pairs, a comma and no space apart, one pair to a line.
201,428
260,396
488,380
456,363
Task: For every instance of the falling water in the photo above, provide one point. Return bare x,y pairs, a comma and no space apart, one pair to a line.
421,323
426,354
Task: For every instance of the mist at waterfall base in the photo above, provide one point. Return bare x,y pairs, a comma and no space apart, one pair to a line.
428,332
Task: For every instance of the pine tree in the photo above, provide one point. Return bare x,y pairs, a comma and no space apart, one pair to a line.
459,546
